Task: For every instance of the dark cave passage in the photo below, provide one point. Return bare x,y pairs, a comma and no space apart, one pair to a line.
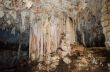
98,41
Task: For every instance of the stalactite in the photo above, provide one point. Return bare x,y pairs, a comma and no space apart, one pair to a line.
53,32
53,24
32,47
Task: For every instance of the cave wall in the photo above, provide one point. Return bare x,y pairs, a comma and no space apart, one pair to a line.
106,23
51,23
54,24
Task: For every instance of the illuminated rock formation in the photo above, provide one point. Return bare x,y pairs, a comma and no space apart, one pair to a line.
54,24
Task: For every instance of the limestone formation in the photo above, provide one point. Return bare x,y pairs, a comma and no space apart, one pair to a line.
57,26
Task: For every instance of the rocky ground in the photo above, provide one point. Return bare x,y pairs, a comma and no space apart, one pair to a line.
90,60
93,60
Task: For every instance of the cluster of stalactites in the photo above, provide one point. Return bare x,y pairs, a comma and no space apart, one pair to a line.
18,14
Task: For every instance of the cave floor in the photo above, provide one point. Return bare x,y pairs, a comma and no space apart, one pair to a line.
95,59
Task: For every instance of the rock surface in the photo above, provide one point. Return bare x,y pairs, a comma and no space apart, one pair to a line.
57,26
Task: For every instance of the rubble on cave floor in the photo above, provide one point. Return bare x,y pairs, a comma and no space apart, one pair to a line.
92,60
